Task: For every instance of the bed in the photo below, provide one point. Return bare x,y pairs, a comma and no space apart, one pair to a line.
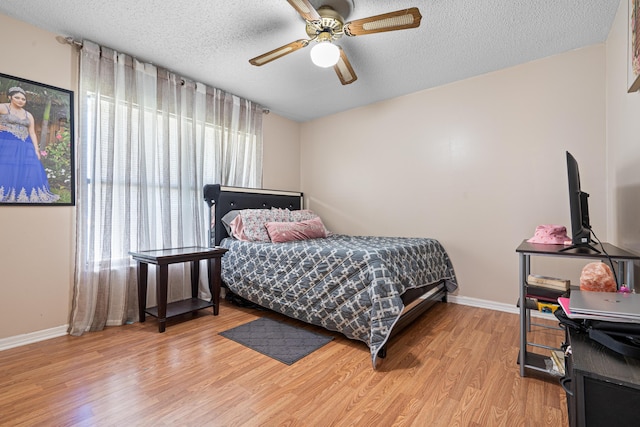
367,288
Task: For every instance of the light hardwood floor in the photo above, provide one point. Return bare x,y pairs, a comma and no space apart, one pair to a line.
456,366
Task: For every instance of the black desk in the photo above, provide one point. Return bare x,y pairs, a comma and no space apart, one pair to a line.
162,258
603,387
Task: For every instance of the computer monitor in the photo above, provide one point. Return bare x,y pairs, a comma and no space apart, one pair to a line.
579,207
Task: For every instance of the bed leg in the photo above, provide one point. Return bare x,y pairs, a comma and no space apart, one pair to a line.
382,353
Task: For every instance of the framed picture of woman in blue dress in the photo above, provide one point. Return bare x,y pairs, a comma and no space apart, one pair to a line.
36,143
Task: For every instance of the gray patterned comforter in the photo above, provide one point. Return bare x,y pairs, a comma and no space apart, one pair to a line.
343,283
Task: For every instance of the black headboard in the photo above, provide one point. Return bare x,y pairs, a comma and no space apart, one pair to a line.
223,199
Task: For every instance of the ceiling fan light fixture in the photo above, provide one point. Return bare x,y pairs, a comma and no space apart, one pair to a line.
325,54
325,25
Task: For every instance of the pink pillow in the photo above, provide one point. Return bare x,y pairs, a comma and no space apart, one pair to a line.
281,232
249,224
304,215
237,229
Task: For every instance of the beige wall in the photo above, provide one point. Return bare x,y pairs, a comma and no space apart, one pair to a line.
476,164
36,243
623,143
281,153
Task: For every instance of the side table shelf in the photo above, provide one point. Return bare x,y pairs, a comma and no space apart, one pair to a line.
536,362
178,308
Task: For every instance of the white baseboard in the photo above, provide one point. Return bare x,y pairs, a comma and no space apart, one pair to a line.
498,306
18,340
24,339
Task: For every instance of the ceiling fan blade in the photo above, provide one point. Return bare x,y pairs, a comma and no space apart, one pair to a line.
398,20
344,70
305,9
278,52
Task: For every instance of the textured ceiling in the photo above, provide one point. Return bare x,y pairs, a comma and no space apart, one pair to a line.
211,41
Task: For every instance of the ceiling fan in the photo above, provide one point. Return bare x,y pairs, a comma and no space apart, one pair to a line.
326,25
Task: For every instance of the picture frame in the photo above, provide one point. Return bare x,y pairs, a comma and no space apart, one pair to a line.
633,43
40,173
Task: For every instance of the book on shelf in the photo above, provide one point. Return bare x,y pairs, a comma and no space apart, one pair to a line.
548,282
547,307
544,294
557,356
531,303
540,305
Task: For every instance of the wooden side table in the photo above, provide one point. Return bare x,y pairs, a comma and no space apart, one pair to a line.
161,258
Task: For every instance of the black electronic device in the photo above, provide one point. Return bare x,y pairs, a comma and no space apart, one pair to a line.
579,207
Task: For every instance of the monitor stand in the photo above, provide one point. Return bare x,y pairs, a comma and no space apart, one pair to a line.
581,248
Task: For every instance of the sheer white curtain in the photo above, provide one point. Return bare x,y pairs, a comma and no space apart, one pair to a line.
149,141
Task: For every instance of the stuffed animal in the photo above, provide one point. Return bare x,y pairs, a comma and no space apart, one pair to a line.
597,277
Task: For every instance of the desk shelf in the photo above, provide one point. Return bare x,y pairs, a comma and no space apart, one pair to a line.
624,260
538,362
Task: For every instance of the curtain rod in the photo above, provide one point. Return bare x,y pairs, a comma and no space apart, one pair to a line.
69,40
78,44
